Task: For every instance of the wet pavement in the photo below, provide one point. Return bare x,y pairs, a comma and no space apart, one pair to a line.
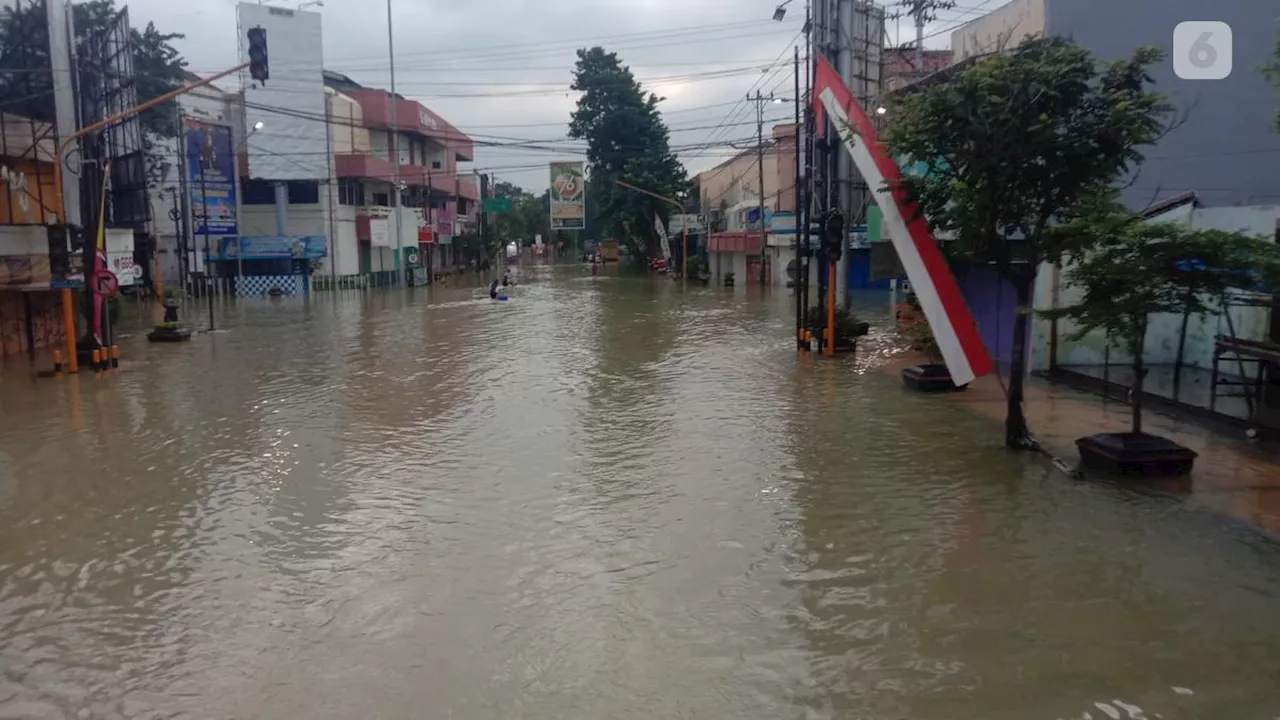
607,498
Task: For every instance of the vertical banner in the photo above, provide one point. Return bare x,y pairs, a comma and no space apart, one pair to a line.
211,177
662,235
568,196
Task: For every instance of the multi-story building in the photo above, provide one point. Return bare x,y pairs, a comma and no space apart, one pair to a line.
730,199
900,65
353,208
373,133
30,318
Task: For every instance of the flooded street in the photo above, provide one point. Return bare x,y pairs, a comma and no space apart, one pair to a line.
605,499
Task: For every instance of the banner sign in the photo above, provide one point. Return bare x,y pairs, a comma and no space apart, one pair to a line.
931,278
309,247
211,178
568,196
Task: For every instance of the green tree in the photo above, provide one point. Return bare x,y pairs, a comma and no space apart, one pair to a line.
24,45
1271,71
1133,270
1015,146
626,140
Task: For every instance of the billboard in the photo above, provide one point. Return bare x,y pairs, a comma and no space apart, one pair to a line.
568,196
291,145
308,247
211,178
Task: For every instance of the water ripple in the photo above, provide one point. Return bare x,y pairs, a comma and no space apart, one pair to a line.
606,498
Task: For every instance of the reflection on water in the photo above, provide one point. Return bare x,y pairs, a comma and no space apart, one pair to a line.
607,498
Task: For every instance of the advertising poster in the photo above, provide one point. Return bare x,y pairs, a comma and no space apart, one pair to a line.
211,177
568,196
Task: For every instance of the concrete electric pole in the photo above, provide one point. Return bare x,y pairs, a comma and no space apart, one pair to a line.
760,100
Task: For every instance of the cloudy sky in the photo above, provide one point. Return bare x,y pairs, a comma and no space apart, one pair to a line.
500,69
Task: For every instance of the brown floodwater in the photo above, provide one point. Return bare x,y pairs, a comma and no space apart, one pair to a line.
607,498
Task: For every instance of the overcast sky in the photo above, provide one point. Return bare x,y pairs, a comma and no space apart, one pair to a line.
500,69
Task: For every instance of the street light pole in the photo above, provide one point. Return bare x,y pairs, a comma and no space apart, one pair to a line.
393,142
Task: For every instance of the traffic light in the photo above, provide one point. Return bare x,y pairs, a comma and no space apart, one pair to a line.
258,54
833,235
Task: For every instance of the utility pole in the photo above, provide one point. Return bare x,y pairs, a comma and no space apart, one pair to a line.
393,140
760,100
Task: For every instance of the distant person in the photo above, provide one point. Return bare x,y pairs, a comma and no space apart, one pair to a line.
493,290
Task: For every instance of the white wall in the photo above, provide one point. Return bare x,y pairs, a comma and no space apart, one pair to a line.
345,247
299,220
24,240
347,114
999,29
1164,330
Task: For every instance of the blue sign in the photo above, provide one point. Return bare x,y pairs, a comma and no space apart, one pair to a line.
309,247
211,178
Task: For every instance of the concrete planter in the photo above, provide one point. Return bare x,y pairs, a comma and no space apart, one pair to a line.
929,378
1135,454
166,334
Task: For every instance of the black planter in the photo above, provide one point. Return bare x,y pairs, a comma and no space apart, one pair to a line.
931,378
1131,454
164,334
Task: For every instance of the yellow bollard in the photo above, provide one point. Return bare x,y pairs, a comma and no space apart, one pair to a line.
96,360
57,362
115,356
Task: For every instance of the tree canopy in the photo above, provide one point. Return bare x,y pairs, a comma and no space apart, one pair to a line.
24,45
527,217
1022,141
626,140
1017,145
1271,71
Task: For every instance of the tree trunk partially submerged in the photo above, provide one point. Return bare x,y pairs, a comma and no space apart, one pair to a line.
1016,434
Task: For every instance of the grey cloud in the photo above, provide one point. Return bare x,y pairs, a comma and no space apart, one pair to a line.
492,41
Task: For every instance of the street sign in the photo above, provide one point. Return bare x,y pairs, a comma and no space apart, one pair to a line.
497,205
105,283
681,222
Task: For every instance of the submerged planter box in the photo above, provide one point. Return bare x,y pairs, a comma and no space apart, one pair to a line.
930,378
164,334
1135,454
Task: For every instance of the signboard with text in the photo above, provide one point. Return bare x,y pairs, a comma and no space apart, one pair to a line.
568,196
211,178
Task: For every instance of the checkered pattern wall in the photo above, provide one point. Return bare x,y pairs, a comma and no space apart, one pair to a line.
261,284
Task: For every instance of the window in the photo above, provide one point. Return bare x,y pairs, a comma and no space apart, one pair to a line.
462,206
257,192
304,192
381,198
435,164
350,192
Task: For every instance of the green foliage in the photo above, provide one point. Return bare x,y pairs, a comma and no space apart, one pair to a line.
915,328
1135,269
1023,141
848,326
157,65
1130,270
1018,145
626,140
1271,71
527,218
